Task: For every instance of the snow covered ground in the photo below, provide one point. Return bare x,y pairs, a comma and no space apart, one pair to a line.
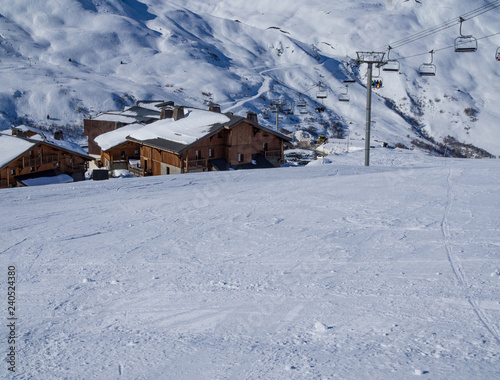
317,272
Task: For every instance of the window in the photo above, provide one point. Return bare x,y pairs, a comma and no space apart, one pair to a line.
12,171
219,135
264,147
210,153
197,154
240,157
122,154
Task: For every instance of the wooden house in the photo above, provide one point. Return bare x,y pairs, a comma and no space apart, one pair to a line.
142,112
116,151
197,140
38,155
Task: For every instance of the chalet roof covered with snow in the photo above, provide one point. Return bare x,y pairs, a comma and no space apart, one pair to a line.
12,147
177,135
116,137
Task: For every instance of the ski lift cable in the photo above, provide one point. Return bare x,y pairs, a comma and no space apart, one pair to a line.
425,33
444,48
446,25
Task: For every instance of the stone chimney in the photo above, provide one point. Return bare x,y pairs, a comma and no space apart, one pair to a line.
214,107
178,113
252,116
166,113
58,135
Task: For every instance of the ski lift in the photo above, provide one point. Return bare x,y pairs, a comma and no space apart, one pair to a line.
377,81
428,69
266,114
497,55
301,103
349,80
344,96
391,64
464,44
322,93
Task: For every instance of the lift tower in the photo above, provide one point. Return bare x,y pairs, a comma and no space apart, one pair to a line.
370,58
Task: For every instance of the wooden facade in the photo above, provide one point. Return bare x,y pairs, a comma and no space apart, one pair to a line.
118,156
41,157
93,128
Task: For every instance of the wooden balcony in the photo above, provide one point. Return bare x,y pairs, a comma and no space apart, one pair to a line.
197,164
39,161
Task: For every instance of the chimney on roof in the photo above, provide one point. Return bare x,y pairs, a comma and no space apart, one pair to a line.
252,116
58,135
178,113
166,113
214,107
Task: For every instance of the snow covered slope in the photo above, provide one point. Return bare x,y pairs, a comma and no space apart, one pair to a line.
62,60
317,272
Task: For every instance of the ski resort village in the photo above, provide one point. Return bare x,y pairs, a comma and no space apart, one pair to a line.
250,190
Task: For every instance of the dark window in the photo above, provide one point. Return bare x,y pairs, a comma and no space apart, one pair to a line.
122,154
198,155
210,153
240,157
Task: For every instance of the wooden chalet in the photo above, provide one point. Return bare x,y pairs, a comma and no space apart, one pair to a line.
116,151
23,158
197,140
142,112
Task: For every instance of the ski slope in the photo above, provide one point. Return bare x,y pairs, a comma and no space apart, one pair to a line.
333,270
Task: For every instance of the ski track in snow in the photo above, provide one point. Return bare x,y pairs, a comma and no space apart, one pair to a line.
457,270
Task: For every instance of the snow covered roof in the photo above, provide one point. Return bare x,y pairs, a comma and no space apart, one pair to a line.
141,112
195,125
12,147
117,117
116,137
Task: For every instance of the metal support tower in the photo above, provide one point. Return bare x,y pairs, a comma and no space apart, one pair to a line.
278,103
370,58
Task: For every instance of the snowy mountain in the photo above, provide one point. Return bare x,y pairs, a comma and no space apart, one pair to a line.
63,60
318,272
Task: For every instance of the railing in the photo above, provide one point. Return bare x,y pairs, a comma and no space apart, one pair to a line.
32,162
138,172
197,164
272,153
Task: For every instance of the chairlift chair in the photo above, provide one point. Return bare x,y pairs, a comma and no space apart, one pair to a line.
497,55
428,69
322,93
344,96
391,64
377,81
301,103
465,44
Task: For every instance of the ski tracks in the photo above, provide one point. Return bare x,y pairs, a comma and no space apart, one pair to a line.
457,270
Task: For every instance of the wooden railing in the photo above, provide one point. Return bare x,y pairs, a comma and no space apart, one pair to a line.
197,164
33,162
138,172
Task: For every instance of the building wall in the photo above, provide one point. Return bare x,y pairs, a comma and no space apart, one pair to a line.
120,154
93,128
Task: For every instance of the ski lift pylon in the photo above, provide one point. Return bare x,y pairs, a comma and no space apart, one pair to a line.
391,64
428,69
465,44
